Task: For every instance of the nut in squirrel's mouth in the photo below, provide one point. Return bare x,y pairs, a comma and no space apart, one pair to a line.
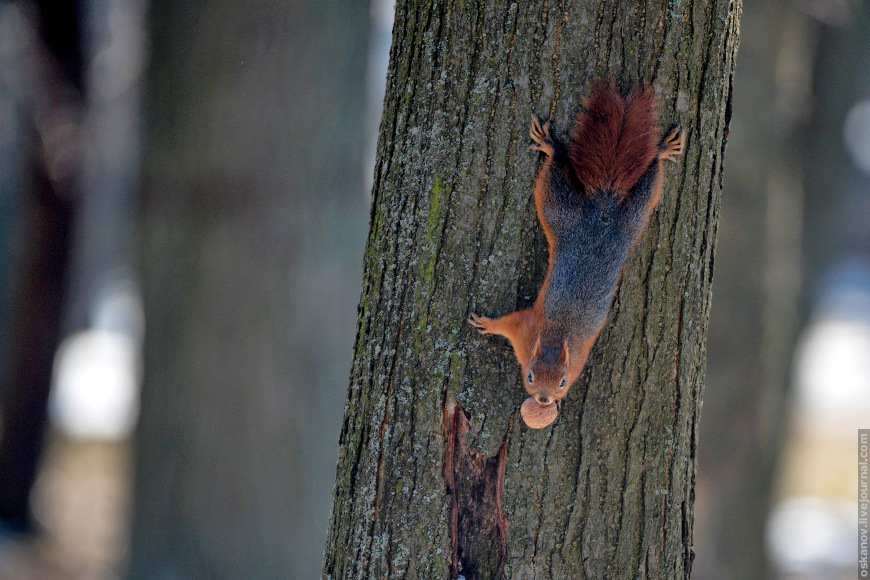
538,416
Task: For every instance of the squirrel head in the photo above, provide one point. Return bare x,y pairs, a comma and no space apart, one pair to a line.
546,376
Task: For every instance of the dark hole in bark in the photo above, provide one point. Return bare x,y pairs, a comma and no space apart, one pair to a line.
478,525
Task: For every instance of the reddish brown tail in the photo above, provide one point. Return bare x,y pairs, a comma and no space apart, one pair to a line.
615,139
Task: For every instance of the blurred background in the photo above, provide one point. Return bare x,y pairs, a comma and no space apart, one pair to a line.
184,197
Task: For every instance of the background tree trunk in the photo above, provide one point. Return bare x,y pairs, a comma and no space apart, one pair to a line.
251,222
836,187
42,80
607,491
754,318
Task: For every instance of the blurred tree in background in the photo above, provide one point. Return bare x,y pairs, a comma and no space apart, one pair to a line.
251,208
754,317
40,93
794,205
837,210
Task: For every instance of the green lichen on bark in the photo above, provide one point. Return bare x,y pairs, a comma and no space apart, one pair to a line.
606,491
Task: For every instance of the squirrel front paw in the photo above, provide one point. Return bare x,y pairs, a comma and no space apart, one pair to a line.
481,323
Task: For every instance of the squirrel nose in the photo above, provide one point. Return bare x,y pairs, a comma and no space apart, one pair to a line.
542,399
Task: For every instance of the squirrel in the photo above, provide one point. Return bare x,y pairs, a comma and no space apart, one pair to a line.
594,201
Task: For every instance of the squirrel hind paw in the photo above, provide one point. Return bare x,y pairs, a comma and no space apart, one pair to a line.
672,145
541,135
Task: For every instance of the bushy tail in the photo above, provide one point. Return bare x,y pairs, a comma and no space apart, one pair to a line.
615,139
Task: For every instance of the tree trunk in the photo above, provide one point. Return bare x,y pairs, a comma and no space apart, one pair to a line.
251,222
42,73
836,216
754,318
32,338
437,475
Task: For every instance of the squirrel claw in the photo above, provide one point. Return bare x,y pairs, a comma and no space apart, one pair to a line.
540,134
672,145
479,322
535,127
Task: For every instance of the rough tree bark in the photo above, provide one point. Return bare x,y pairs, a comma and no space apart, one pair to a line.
431,428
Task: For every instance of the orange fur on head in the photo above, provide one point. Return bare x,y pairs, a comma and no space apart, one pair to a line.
615,139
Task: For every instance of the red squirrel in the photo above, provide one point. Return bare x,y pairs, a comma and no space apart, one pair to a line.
594,200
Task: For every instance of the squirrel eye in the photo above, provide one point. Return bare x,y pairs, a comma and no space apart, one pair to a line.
530,377
562,386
